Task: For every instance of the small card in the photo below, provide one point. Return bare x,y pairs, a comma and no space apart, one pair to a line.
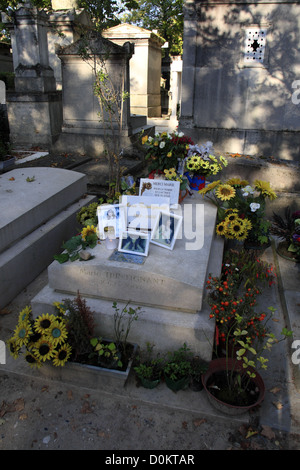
160,188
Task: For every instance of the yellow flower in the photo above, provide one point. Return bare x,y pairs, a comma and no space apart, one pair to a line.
13,347
236,227
144,139
209,187
155,143
237,182
171,173
89,230
60,307
247,224
32,360
24,314
61,355
265,188
221,228
43,322
57,332
22,333
169,154
223,160
44,349
225,192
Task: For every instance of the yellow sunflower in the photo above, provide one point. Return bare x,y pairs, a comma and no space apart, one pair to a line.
237,182
89,230
22,333
57,332
171,173
44,349
43,322
24,315
236,228
61,355
247,224
32,360
60,307
209,187
221,228
265,189
13,347
225,192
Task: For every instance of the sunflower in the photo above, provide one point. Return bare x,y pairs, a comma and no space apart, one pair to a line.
60,307
89,230
24,315
225,192
265,189
236,227
247,224
32,360
43,322
237,182
61,355
209,187
223,160
231,217
171,173
34,338
22,333
241,235
221,228
44,349
13,347
57,332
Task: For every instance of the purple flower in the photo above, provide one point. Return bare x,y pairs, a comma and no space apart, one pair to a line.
296,238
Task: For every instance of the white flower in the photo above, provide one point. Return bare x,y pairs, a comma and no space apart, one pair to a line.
162,145
254,206
247,190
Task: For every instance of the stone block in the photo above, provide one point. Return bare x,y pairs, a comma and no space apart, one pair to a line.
26,205
169,280
26,259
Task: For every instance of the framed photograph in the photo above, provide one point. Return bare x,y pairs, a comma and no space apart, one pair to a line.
166,229
111,220
134,242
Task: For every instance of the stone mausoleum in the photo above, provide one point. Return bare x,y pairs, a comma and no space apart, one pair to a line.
240,69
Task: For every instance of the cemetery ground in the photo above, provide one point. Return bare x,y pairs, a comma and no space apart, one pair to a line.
37,413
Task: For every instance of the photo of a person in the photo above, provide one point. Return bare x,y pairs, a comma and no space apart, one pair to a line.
110,217
166,229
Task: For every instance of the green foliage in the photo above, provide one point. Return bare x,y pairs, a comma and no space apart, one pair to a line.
107,352
73,247
149,367
123,319
178,364
166,17
88,214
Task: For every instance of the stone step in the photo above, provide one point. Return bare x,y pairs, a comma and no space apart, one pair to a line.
29,197
22,262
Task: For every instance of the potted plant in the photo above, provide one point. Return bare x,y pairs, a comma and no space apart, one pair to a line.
177,369
287,229
198,368
232,382
241,210
201,163
149,368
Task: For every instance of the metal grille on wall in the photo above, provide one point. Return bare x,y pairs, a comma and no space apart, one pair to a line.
255,44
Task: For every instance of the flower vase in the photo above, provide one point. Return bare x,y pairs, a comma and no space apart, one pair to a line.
196,182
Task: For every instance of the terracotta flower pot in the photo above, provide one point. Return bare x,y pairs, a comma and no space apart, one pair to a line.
219,366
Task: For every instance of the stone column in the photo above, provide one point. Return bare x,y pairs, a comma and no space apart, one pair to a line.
34,108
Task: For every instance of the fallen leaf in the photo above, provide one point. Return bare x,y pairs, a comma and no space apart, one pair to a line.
23,416
251,433
278,405
45,388
267,432
184,424
275,390
19,404
12,179
198,422
5,311
70,395
86,408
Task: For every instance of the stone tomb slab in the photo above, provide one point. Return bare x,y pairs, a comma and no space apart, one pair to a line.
29,197
167,279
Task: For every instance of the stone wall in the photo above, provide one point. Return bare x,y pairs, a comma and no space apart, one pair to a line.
240,64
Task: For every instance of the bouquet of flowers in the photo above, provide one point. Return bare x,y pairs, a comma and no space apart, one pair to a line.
200,160
241,208
166,151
